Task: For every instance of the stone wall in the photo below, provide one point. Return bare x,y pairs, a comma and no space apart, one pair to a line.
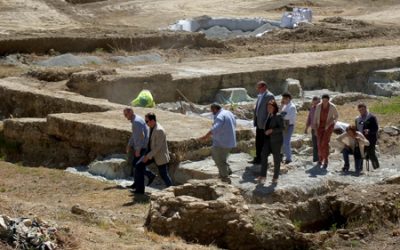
342,70
21,100
68,139
89,43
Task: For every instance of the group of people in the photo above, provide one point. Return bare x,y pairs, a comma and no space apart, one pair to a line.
275,126
274,129
147,145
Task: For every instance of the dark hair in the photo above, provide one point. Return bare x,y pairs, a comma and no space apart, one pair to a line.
325,96
288,95
128,110
262,83
316,98
361,105
352,128
275,105
151,116
216,106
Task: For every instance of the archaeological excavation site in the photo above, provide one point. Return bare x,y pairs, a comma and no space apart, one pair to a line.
71,170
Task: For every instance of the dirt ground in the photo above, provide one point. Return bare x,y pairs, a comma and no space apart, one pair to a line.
118,224
379,23
50,195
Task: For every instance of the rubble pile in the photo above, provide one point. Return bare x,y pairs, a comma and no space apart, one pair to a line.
25,233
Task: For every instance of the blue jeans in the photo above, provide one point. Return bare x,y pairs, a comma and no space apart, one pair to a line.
163,170
357,158
287,147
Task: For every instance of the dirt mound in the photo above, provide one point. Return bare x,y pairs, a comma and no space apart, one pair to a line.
334,29
290,6
52,75
349,22
83,1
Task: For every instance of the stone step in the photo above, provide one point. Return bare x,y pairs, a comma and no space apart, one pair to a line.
298,181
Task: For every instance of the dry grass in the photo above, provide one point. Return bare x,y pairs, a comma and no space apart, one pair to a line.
50,194
8,71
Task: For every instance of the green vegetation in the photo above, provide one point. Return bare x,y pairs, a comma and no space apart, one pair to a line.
389,107
297,224
261,225
333,227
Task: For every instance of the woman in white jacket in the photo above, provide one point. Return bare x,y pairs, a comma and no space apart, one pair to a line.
353,142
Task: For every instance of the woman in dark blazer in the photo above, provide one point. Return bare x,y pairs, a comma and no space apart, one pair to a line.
273,130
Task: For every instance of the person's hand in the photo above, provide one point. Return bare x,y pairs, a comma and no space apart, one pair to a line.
145,159
366,131
268,132
137,153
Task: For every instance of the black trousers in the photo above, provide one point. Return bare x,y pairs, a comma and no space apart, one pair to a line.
275,149
259,143
370,154
140,171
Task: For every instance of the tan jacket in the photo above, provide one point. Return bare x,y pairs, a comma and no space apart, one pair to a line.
345,140
333,115
158,145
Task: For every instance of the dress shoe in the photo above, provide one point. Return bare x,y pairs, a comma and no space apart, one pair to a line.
226,180
255,161
133,186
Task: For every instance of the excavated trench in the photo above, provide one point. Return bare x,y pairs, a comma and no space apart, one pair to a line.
91,43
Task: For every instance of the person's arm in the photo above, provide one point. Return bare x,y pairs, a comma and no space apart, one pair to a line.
316,117
335,115
138,137
278,128
218,122
308,122
374,126
291,115
340,138
361,138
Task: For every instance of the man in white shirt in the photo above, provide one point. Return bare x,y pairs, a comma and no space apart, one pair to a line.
289,113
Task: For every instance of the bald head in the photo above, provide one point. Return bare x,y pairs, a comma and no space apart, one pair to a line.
261,87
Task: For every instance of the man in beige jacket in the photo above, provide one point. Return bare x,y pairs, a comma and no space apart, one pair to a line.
353,142
157,150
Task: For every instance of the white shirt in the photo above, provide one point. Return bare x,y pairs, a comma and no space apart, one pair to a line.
291,113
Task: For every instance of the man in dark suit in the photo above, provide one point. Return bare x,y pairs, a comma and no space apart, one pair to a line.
367,124
260,115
